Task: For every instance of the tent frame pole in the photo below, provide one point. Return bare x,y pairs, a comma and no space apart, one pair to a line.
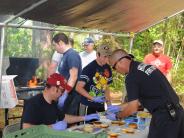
1,54
65,30
131,44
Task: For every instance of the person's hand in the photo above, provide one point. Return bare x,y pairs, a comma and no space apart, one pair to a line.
62,99
113,108
99,99
91,117
111,116
60,125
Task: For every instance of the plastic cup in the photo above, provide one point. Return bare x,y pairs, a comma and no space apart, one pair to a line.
141,124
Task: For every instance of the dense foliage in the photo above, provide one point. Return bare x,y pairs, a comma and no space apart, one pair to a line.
18,42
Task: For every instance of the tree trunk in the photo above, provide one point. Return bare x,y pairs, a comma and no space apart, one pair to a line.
41,41
41,47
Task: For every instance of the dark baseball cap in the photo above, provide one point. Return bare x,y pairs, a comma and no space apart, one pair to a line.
104,50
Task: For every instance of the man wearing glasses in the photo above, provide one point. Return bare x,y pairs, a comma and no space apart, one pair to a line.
43,108
94,80
147,85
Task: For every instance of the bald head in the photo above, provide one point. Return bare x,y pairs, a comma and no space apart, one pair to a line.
116,55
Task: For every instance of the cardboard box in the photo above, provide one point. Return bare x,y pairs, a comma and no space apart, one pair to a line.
8,97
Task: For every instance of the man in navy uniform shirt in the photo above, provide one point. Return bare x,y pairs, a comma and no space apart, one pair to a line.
147,85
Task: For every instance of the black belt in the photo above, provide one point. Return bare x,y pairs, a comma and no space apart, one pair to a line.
176,106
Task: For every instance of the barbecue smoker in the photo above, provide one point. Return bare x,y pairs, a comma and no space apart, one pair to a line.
25,82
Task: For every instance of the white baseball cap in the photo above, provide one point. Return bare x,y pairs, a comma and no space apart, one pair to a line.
158,41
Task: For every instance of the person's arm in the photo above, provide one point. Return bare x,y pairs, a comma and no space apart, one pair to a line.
74,65
129,108
56,59
26,125
73,119
59,126
73,76
71,82
145,60
168,68
52,68
80,89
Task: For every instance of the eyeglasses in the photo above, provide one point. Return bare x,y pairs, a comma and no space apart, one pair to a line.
114,66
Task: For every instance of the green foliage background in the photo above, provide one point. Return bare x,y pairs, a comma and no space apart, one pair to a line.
19,44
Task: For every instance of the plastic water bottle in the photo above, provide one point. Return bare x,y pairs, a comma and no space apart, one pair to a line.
141,123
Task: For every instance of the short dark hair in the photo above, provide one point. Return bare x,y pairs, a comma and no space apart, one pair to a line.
60,37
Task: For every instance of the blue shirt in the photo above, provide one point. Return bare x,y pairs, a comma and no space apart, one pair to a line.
70,59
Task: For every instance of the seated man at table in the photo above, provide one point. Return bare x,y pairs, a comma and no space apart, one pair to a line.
43,108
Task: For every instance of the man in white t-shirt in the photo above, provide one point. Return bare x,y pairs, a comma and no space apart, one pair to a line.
56,58
89,54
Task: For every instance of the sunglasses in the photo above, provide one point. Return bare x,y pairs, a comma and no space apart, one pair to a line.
127,57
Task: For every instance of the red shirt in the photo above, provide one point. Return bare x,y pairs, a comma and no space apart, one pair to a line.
162,62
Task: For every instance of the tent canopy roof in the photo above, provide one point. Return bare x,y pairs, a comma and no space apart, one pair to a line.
106,15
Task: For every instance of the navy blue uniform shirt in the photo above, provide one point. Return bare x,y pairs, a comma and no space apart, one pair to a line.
148,85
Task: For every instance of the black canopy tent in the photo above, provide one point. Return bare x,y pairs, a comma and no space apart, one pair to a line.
106,15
